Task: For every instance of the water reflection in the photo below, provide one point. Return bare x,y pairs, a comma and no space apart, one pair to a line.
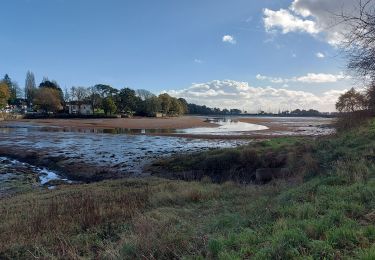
106,130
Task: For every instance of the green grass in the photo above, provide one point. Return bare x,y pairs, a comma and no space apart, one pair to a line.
326,210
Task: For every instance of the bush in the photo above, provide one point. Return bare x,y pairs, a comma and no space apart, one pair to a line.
351,120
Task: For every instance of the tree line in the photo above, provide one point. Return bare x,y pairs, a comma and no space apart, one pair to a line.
48,96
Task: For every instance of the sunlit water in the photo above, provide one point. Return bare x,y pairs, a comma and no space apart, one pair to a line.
227,126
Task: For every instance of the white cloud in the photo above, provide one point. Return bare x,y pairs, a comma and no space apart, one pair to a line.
315,17
308,78
320,55
234,94
198,61
320,78
229,39
287,22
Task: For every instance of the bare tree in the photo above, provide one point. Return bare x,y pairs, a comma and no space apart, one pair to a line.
359,38
94,97
30,87
79,94
359,44
144,94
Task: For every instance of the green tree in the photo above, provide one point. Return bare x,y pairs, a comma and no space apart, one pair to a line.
184,105
150,106
48,99
4,94
165,102
13,87
127,101
46,83
176,107
109,106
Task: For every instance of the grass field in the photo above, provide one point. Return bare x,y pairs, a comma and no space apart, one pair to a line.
324,210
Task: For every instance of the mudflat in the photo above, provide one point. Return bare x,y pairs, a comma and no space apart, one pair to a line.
126,123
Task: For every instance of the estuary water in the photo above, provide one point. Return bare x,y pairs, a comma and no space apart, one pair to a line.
128,151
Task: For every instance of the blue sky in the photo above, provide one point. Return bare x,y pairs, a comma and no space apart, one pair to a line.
164,45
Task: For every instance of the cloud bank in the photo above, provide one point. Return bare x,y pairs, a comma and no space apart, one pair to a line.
235,94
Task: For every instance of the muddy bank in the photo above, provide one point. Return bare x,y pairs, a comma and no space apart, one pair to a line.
124,123
74,170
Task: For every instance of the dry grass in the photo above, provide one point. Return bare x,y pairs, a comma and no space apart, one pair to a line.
52,218
149,219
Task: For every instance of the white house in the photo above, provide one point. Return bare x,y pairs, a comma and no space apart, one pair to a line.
80,108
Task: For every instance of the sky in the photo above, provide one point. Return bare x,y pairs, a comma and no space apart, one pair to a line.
248,54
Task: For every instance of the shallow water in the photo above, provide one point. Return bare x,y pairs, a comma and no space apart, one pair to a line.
127,153
12,169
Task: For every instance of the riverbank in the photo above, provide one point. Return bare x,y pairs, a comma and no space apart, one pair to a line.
123,123
323,210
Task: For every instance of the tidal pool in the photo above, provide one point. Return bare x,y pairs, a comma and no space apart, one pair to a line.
227,126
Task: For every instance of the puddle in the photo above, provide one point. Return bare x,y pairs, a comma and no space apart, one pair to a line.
46,176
